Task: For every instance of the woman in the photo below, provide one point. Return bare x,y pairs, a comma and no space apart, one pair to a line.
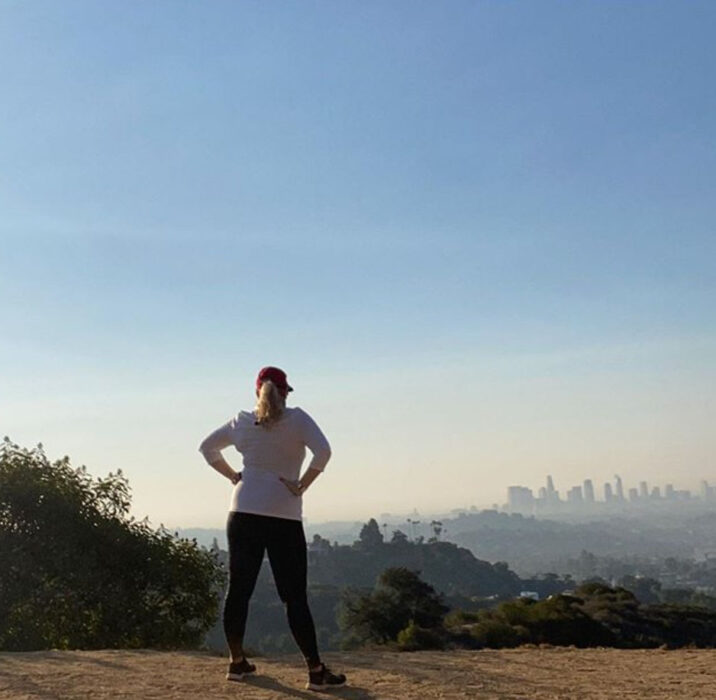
265,516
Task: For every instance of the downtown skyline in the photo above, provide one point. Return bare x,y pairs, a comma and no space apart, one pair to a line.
585,496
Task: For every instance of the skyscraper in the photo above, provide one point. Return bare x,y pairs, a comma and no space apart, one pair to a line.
520,499
588,491
643,489
552,493
608,492
574,495
619,487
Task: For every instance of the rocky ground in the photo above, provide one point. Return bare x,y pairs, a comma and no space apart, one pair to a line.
534,673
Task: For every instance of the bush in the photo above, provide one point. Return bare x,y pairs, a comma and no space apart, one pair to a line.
414,638
498,634
79,572
598,616
458,618
561,620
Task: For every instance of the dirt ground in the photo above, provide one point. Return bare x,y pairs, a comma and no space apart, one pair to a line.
534,673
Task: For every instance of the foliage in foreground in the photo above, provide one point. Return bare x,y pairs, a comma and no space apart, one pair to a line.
596,615
79,572
404,611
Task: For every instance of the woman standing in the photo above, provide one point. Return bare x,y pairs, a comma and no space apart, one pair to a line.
265,516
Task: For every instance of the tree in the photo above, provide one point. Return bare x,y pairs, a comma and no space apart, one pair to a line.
399,538
400,597
370,535
414,594
437,528
79,572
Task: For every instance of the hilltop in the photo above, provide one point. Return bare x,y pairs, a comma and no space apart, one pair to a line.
525,673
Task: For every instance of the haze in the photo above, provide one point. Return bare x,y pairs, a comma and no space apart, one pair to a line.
478,236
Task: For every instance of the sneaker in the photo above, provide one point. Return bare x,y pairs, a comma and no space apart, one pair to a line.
324,679
238,670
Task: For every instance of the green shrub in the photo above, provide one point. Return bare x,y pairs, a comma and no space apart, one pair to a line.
414,638
79,572
498,634
458,618
518,611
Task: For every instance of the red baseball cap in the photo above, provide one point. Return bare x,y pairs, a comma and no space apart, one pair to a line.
276,375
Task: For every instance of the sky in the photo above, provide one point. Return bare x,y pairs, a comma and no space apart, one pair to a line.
478,236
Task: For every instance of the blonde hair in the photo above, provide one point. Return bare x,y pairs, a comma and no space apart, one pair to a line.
270,404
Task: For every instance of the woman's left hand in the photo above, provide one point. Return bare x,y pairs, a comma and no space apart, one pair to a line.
293,486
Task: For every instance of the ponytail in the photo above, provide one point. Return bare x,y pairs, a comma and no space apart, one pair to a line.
270,404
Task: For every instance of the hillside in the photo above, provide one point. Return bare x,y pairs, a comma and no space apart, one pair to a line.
534,674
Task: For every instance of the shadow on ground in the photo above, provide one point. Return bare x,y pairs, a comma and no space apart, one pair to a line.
267,683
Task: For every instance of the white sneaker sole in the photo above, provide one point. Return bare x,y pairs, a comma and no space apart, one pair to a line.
323,688
238,676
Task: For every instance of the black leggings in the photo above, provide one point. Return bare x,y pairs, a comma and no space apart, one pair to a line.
249,537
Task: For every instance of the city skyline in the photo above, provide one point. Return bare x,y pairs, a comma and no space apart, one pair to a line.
522,498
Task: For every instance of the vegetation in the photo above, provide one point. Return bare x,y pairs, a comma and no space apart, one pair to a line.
406,612
596,615
79,572
402,607
462,580
356,602
450,569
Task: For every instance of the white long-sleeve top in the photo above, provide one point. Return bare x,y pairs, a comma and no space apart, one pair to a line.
268,454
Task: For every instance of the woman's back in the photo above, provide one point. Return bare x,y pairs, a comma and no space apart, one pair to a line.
269,453
279,448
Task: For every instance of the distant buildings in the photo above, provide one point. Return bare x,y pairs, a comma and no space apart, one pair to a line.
608,495
619,487
521,499
588,491
574,495
552,493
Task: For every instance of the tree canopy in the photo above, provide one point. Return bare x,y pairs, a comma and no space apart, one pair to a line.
370,535
79,572
400,598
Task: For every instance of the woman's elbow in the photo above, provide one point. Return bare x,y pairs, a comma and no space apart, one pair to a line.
207,453
324,456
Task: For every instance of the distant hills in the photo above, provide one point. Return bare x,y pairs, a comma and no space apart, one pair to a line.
530,545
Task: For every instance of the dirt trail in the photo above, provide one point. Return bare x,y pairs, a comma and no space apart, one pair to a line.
537,674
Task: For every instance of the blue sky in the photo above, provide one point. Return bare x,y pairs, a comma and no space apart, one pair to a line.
479,236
